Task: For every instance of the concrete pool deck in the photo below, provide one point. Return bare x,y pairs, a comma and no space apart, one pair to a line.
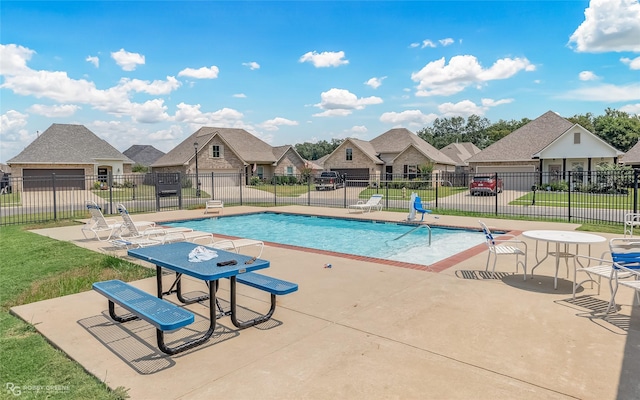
365,329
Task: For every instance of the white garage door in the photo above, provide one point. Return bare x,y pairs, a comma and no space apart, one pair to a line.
517,177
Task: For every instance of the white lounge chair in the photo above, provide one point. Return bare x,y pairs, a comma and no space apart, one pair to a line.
236,244
374,203
214,205
98,224
504,247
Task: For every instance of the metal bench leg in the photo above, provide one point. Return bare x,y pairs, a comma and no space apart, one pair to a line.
192,343
255,321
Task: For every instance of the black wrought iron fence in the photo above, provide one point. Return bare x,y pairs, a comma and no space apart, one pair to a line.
596,197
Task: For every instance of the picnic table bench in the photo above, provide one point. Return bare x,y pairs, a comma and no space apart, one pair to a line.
165,316
274,286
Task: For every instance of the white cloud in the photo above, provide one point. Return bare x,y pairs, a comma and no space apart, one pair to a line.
149,112
200,73
13,136
609,25
438,79
192,114
273,124
240,95
93,60
446,42
428,43
358,129
127,61
588,76
13,59
632,109
414,45
410,117
252,65
375,82
324,59
12,121
606,93
341,102
466,108
156,87
62,110
633,64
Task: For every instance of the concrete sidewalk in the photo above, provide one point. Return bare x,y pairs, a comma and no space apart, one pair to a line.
367,330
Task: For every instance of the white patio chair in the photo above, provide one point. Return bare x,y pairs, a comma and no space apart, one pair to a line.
504,247
214,205
625,253
603,268
374,202
631,221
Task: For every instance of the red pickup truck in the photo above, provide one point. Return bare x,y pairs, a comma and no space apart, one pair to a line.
485,184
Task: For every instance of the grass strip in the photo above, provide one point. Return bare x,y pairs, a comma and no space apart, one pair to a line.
36,268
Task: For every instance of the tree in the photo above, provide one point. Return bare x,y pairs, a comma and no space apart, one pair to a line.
618,128
313,151
502,128
456,130
585,121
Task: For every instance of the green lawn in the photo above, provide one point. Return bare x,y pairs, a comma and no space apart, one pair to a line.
425,194
578,200
36,268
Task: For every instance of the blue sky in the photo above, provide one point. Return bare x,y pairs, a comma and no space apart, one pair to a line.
153,72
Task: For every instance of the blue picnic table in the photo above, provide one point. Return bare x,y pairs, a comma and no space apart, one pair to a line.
175,257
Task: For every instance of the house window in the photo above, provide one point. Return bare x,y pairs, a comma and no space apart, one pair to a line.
410,171
289,170
260,172
349,154
216,151
576,138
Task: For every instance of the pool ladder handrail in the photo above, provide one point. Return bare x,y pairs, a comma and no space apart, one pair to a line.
415,229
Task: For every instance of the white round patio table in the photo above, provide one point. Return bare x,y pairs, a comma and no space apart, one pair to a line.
565,238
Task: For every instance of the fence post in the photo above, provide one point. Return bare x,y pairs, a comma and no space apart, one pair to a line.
437,188
344,186
110,183
309,190
569,196
240,178
53,185
275,188
496,203
635,190
213,188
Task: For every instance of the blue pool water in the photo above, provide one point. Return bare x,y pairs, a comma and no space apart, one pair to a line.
364,238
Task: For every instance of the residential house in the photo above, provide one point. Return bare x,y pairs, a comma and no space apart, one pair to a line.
549,144
460,153
632,157
230,153
72,152
144,155
396,153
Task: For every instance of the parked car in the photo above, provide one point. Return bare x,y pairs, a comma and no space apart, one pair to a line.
485,184
329,180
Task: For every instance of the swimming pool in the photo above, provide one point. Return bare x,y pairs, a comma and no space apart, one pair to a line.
386,240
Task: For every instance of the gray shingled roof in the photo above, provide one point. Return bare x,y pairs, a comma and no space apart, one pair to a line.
460,152
633,155
398,139
143,154
248,147
524,142
68,144
367,148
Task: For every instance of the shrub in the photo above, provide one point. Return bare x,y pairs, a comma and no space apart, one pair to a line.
255,180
